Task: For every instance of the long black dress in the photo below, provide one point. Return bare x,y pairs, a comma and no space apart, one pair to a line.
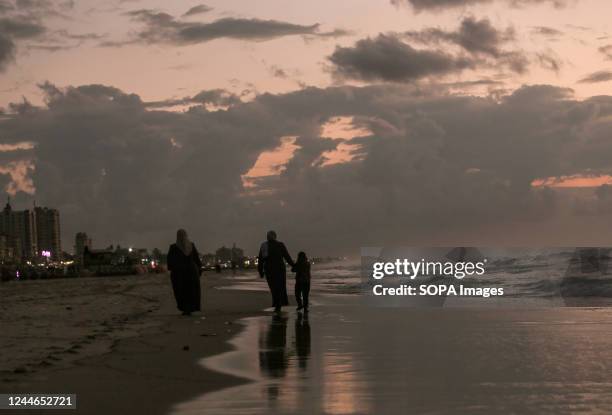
185,276
272,257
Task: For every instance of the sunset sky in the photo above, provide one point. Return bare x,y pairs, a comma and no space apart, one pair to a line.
340,124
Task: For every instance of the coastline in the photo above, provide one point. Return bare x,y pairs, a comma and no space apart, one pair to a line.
143,362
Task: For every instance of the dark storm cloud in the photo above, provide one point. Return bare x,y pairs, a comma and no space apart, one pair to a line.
387,58
160,27
420,5
595,77
199,9
437,168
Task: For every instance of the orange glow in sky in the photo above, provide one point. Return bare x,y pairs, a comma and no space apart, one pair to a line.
573,181
272,162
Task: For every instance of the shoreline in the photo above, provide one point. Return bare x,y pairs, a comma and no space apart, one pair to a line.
154,367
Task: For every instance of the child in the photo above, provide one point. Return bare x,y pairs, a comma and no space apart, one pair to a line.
302,281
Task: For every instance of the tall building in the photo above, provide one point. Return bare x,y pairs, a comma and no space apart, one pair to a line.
29,232
19,228
81,241
48,232
6,251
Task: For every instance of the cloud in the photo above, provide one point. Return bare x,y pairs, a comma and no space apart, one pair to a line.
42,9
387,58
437,168
549,60
199,9
426,5
24,21
479,38
211,97
6,6
20,175
160,27
12,30
546,31
473,35
606,51
62,40
595,77
20,28
7,51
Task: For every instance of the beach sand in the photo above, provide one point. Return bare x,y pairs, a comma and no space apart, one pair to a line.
117,342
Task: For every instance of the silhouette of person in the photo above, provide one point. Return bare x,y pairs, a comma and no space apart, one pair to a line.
185,269
273,358
302,281
272,257
302,340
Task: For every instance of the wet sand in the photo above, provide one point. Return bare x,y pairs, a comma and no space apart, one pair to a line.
345,358
117,342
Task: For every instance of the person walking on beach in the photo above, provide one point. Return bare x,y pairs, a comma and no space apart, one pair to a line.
272,257
185,269
302,281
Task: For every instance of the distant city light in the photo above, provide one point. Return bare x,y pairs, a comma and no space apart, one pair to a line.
46,254
130,250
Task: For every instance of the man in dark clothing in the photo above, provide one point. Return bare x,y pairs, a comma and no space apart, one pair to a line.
272,257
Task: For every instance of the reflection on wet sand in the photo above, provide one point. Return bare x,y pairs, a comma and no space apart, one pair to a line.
343,392
302,340
273,353
291,379
446,361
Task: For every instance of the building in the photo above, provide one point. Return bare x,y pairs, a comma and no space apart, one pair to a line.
19,228
6,251
232,256
81,243
48,233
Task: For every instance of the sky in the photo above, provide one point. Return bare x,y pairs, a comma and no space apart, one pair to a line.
340,125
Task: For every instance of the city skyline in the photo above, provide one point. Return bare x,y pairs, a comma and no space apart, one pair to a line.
389,122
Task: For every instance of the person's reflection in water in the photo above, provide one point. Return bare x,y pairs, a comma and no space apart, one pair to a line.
302,340
273,358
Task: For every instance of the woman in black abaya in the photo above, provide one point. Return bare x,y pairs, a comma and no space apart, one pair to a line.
185,269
